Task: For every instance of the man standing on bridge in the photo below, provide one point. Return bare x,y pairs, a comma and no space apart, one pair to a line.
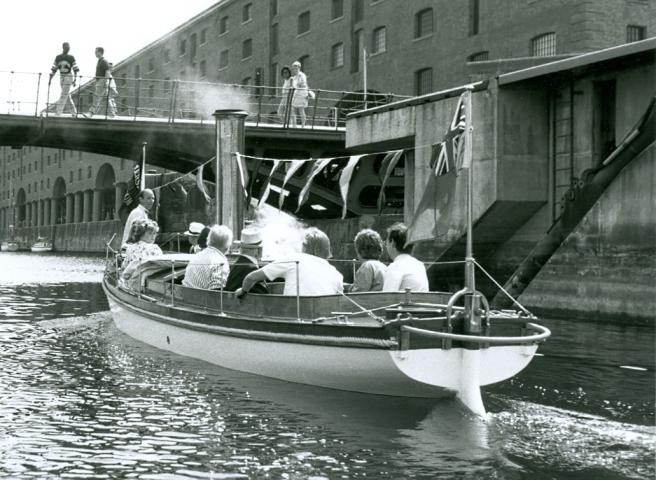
103,91
146,202
65,63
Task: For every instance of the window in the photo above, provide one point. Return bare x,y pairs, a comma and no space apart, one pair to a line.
379,40
223,58
303,23
274,39
89,171
70,177
247,48
203,36
273,7
474,17
424,23
223,25
167,55
479,56
337,9
202,69
423,81
182,46
635,33
79,174
358,10
137,71
48,182
192,46
337,56
543,45
29,168
246,12
151,65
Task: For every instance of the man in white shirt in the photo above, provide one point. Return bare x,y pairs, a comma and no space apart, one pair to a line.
209,268
405,271
307,273
146,202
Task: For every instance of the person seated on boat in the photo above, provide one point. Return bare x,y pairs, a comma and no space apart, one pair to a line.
371,274
308,272
193,234
143,232
247,261
209,268
146,202
405,271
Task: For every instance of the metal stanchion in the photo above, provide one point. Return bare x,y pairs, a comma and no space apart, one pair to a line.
172,282
221,299
38,87
298,294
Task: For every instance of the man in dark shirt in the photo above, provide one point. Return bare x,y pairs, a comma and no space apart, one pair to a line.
65,64
102,92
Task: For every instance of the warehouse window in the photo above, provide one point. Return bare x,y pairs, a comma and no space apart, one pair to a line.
247,48
479,56
424,23
303,23
635,33
337,56
423,81
379,40
543,45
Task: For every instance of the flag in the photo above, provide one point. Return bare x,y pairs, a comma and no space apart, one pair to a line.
345,179
293,168
132,192
387,166
256,170
243,172
442,211
267,184
201,184
317,166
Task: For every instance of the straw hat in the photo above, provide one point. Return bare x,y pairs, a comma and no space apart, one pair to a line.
194,228
251,236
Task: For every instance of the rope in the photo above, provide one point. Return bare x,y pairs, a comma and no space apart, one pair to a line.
502,289
364,310
185,175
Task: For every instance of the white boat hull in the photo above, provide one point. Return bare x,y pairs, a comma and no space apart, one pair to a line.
9,246
429,373
41,249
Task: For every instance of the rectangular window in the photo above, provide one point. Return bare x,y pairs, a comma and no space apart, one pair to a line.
223,25
274,39
424,23
379,40
202,69
337,9
70,177
167,56
192,46
474,17
337,56
203,36
358,10
303,23
247,48
246,12
182,47
479,56
635,33
89,170
423,81
151,65
543,45
223,58
48,182
79,174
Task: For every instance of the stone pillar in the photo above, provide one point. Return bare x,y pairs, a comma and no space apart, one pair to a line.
86,209
229,190
69,208
77,213
119,191
51,211
96,204
28,214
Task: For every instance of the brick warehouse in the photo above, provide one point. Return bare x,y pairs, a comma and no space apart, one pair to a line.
413,48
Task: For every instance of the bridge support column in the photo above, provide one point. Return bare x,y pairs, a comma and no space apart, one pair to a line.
96,205
86,207
69,208
119,190
229,190
77,207
53,220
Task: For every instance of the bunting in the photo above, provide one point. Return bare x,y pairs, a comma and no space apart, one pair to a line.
293,168
243,172
345,179
267,185
258,164
319,165
388,166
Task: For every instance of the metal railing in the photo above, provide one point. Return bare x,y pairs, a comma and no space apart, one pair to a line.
25,93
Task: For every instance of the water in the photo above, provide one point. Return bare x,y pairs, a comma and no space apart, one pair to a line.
79,399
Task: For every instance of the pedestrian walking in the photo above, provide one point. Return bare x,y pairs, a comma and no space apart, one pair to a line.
105,91
68,70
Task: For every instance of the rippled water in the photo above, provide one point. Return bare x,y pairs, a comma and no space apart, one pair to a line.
79,399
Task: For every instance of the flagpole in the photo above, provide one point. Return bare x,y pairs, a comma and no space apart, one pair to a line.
364,75
142,179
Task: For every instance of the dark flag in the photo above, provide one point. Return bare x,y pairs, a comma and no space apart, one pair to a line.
132,192
442,211
387,166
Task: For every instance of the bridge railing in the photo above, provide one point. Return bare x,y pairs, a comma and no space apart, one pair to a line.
176,100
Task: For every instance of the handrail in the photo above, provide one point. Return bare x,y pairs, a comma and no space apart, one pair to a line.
545,333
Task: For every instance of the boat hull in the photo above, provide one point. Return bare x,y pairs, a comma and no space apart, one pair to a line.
431,372
9,246
41,249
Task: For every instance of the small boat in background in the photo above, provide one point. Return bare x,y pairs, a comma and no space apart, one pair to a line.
42,245
9,246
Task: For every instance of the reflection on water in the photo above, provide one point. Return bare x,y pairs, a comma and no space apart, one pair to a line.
78,399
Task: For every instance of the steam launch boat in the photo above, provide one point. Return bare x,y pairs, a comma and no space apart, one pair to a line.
41,245
408,344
